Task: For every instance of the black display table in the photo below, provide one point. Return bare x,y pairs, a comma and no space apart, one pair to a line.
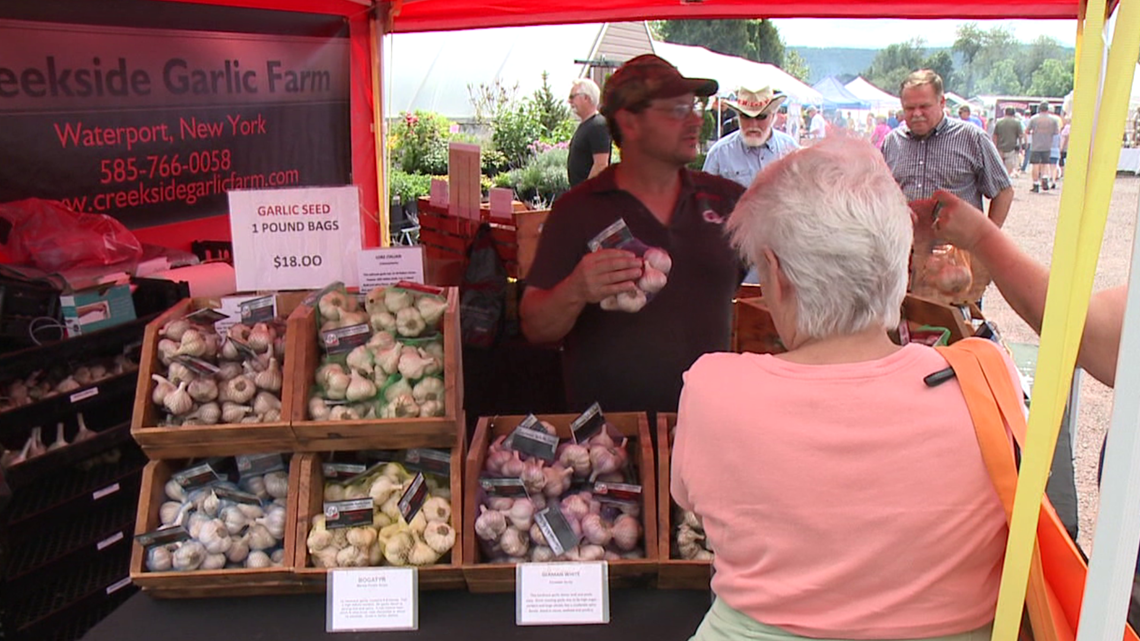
634,614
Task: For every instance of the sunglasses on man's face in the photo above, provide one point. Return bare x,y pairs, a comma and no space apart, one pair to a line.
747,117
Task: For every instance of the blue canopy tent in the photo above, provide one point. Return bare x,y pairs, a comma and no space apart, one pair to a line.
836,96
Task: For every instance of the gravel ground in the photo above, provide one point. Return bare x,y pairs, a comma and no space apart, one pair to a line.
1032,222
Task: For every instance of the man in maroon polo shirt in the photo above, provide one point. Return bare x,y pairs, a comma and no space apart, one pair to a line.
634,361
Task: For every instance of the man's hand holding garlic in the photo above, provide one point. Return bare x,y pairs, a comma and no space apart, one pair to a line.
606,273
628,289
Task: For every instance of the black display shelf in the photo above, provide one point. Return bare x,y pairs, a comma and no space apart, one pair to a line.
16,424
27,473
74,491
79,623
44,611
55,555
100,343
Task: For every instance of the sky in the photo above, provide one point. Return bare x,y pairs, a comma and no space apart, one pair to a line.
877,34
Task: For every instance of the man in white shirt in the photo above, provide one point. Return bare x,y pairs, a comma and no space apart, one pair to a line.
741,155
817,127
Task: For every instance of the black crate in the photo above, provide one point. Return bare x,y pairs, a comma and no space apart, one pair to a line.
21,303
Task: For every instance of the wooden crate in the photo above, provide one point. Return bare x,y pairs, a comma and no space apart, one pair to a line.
209,583
446,237
753,330
207,440
500,577
325,436
528,226
445,575
673,573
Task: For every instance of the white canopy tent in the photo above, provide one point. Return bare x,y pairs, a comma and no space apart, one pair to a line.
877,98
733,72
432,70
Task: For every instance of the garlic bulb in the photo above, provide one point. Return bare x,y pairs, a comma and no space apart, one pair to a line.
208,413
159,559
431,308
174,491
162,389
396,299
440,537
514,543
261,338
203,390
318,409
168,512
277,484
652,280
239,389
398,547
260,538
264,401
192,344
436,510
428,389
319,537
359,388
233,412
178,402
541,554
575,457
258,559
239,550
422,554
274,522
595,530
409,322
177,373
175,329
521,514
213,562
490,524
626,532
382,488
234,519
537,536
374,301
270,379
189,556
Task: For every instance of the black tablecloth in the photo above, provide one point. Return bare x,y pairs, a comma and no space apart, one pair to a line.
661,615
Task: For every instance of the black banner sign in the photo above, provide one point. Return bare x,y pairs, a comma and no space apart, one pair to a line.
154,126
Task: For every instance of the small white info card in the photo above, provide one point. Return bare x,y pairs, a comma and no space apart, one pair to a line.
370,599
562,593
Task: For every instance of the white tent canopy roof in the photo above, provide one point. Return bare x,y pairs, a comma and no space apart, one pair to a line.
432,70
868,92
733,72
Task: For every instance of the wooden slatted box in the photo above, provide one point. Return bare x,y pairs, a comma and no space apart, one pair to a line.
446,574
207,440
674,573
209,583
321,436
500,577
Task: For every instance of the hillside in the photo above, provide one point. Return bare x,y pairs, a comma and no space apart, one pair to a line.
835,61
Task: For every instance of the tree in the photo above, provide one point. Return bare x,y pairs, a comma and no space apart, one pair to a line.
892,64
942,63
1042,49
757,40
551,111
1054,78
982,51
490,100
968,44
1002,79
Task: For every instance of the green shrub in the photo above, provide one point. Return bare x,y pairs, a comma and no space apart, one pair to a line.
514,130
419,143
409,187
542,179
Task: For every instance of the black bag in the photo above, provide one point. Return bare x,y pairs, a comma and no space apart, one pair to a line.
483,294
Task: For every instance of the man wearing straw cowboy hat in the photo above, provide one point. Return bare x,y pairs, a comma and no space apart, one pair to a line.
741,155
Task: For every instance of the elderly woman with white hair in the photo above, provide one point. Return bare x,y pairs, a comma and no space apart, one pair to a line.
843,497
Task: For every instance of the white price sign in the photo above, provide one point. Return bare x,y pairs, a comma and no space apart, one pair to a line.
372,599
562,593
383,267
300,238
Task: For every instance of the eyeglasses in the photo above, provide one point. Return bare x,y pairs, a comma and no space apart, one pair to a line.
573,96
683,110
745,116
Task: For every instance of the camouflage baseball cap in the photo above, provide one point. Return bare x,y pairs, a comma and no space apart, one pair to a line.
646,77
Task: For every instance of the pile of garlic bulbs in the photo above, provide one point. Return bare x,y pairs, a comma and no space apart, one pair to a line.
389,540
41,385
246,388
398,373
224,533
692,543
609,531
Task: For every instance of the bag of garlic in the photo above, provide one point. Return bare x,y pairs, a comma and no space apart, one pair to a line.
656,264
360,522
209,522
944,275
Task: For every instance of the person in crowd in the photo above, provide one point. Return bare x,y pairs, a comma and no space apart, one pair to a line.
1065,131
741,155
879,133
794,122
817,125
1055,147
1024,117
590,145
963,159
844,498
965,115
634,361
869,126
1008,136
1042,127
895,119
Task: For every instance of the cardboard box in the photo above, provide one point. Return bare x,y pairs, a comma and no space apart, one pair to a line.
97,308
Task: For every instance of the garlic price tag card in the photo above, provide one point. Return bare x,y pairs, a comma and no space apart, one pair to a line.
295,238
562,593
388,266
372,599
